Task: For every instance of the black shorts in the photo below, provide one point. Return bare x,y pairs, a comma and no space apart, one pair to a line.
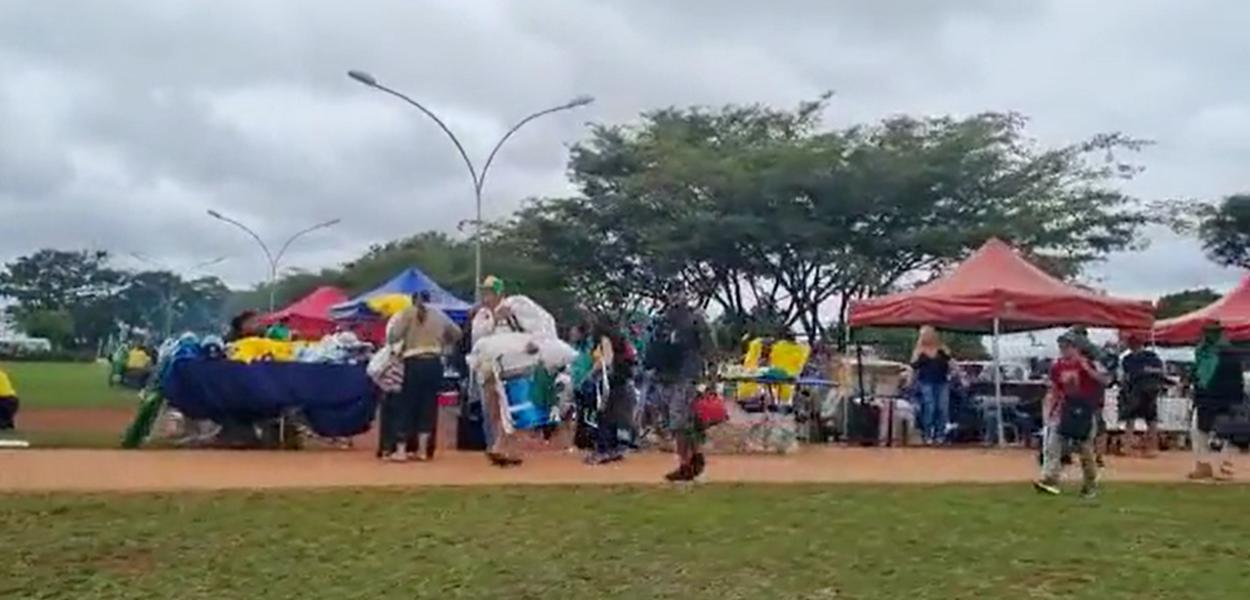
8,412
1139,404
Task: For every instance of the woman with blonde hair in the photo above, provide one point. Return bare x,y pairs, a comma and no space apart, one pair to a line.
931,368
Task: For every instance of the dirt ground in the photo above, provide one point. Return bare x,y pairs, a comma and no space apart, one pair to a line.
112,420
118,470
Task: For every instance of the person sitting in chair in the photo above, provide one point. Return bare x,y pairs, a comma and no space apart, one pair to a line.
8,403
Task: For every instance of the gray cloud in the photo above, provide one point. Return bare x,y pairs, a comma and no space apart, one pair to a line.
122,121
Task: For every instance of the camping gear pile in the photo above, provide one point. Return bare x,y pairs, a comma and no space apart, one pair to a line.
515,360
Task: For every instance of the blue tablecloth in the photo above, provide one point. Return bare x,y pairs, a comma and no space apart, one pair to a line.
337,400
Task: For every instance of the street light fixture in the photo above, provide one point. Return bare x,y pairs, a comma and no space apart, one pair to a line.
273,259
478,176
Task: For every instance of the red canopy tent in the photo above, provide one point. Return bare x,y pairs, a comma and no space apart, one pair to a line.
309,317
997,285
997,290
1232,311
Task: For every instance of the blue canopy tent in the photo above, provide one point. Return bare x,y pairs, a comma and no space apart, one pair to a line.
407,282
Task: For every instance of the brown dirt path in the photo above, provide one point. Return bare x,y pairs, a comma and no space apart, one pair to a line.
117,470
111,420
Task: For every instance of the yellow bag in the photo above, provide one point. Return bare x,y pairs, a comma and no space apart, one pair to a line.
138,360
389,304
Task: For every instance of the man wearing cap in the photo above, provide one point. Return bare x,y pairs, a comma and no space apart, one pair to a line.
676,354
499,313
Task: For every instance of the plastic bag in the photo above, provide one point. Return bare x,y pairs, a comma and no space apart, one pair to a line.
532,318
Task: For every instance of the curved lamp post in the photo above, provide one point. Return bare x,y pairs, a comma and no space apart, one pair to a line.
273,259
478,176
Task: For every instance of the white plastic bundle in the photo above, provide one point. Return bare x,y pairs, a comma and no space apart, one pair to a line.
504,352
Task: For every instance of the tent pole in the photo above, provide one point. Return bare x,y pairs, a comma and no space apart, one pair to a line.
998,384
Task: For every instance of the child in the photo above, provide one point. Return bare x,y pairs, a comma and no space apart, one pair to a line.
1074,401
8,403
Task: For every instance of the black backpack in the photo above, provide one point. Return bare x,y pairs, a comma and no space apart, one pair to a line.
1076,419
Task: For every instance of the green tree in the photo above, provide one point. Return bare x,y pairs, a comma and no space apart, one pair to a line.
898,343
57,326
165,303
1179,303
753,206
79,283
1225,231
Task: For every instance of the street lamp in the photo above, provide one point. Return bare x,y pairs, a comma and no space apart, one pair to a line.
168,298
479,177
270,257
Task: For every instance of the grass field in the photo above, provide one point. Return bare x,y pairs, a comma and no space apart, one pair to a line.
717,542
66,385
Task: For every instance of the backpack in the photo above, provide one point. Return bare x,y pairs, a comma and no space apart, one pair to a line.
1076,419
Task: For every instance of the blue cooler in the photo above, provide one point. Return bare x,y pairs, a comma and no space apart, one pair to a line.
525,414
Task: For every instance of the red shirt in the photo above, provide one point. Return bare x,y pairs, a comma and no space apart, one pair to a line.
1072,379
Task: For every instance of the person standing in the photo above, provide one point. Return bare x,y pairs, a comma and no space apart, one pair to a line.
1218,386
931,363
1140,384
676,355
614,360
543,354
422,333
1075,385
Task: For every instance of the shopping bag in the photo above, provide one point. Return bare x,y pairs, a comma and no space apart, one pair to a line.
710,410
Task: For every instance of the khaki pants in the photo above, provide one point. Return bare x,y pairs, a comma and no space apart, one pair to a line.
1201,442
1053,448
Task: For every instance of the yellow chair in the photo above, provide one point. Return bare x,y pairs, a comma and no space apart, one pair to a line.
750,364
789,357
786,356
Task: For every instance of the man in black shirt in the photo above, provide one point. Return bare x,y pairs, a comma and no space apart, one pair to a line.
1141,381
676,355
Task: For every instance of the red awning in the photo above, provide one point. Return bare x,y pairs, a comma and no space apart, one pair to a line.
309,317
996,282
1232,311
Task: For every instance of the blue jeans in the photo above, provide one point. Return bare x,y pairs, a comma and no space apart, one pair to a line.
935,400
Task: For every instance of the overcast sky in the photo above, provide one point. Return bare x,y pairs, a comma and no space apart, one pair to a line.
123,121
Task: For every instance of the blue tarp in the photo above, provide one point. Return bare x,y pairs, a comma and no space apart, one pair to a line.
407,282
337,400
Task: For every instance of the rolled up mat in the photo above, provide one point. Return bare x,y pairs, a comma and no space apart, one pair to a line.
149,408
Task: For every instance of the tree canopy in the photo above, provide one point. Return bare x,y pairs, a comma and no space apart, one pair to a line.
1225,231
76,299
1187,301
771,218
750,206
